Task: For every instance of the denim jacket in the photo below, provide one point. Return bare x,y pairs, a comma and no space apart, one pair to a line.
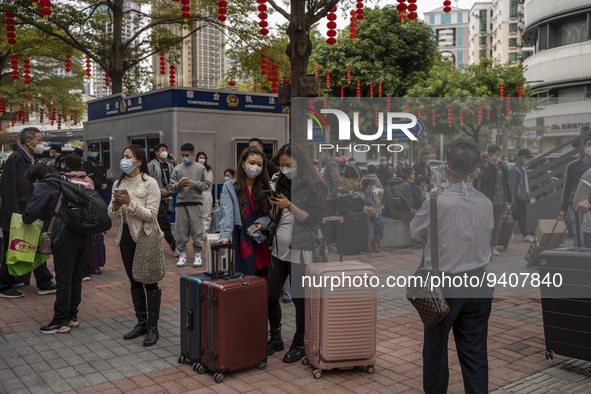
231,211
517,184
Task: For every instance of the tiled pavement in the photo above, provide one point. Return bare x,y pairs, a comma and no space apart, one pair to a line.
95,358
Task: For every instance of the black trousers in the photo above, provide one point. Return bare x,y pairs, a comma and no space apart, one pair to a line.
69,261
42,274
519,214
164,223
127,248
276,276
468,317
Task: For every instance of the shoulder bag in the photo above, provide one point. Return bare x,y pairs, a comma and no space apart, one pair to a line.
427,300
148,260
45,242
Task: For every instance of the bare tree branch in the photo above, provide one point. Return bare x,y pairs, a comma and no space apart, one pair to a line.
277,8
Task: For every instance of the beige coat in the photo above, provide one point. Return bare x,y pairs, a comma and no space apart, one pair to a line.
143,208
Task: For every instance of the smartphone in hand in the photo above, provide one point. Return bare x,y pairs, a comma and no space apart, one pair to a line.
254,233
270,193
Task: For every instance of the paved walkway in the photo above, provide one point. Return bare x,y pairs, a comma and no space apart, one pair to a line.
95,358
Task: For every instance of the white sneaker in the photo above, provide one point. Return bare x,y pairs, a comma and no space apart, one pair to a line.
528,238
86,279
495,252
182,260
197,262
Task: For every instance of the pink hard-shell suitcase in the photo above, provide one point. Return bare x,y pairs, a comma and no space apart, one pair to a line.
340,324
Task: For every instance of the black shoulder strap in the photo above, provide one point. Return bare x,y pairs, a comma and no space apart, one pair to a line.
434,235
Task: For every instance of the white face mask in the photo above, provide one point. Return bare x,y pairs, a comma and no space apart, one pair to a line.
252,170
226,178
588,150
289,172
38,149
201,161
164,155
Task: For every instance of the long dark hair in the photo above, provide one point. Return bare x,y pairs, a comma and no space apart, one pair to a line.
207,166
261,182
140,154
307,176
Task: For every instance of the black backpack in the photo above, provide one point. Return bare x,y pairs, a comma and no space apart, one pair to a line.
85,211
398,199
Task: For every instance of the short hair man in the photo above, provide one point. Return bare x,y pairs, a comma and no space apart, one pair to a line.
161,169
258,143
59,163
465,219
421,168
94,168
189,179
493,182
519,191
16,192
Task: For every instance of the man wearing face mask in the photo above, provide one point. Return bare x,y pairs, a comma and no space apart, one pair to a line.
161,169
519,188
94,169
465,222
493,182
258,143
189,180
421,168
59,163
16,192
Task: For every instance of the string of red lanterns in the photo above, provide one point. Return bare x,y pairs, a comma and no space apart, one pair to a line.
88,67
41,114
507,106
461,117
328,80
519,90
348,75
380,89
502,90
45,10
401,7
162,63
332,25
68,63
388,104
172,75
360,11
263,63
358,88
420,114
263,17
412,7
107,81
342,91
450,116
407,108
222,4
371,89
316,71
433,118
27,71
479,114
186,10
488,110
353,25
447,6
10,29
14,66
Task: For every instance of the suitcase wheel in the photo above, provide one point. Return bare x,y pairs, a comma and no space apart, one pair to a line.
199,368
262,365
549,355
218,377
370,369
305,361
317,374
182,359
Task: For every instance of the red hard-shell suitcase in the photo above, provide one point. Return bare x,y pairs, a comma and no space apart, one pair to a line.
340,324
233,323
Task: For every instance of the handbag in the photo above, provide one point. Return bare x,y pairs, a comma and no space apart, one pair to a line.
428,300
148,259
45,242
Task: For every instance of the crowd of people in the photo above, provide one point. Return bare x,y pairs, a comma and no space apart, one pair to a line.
271,209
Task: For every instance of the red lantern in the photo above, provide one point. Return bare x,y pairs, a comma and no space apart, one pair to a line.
27,71
348,75
408,108
388,104
316,72
371,90
461,117
10,29
232,83
359,6
172,74
379,89
14,66
342,91
507,106
433,118
331,33
325,103
447,6
401,8
420,114
502,90
519,90
222,4
107,81
450,116
41,113
162,63
45,10
88,67
376,117
353,25
328,80
412,10
68,64
479,114
263,16
358,88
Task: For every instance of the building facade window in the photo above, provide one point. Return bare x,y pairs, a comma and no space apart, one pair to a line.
482,40
513,57
445,19
512,42
431,19
512,27
460,17
513,9
482,53
569,95
573,31
482,19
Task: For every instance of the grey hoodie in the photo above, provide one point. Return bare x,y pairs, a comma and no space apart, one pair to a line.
195,172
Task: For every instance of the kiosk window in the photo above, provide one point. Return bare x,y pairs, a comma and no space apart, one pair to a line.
147,143
104,153
269,148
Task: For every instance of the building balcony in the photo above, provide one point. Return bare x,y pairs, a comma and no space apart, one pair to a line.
559,65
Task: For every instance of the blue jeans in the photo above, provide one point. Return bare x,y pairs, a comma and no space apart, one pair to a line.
378,226
573,227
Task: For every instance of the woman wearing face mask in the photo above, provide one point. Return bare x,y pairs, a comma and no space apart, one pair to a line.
243,204
207,197
229,174
136,199
297,211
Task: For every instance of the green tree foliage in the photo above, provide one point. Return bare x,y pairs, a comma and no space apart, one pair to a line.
397,54
47,89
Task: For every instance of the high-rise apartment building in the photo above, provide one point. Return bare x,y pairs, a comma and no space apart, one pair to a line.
201,61
560,67
451,34
496,28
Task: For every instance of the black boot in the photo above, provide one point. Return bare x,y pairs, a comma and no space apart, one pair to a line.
152,336
275,343
296,350
138,296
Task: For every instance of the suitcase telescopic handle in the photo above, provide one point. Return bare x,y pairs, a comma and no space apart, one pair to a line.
216,247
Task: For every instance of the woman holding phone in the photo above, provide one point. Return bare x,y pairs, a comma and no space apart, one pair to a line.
297,212
245,211
136,199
